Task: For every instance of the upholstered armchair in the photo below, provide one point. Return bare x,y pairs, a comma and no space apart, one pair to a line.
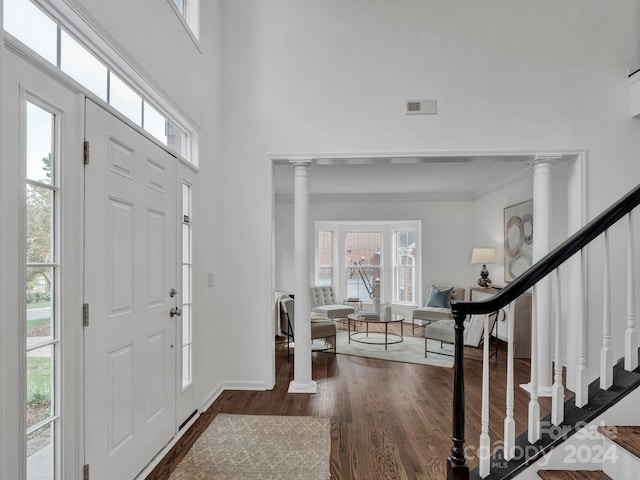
322,328
436,306
323,301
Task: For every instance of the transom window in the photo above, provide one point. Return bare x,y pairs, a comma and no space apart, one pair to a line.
47,38
189,12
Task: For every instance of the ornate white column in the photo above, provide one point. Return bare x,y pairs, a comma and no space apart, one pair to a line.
541,246
302,382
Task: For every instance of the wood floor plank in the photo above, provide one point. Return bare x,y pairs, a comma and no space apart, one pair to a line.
628,437
573,475
390,420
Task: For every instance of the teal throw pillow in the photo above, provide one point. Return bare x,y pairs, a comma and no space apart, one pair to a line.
439,298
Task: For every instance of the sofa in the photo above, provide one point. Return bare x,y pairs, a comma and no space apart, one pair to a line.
436,305
323,301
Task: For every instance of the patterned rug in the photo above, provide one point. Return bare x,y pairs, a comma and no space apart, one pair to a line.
243,447
410,350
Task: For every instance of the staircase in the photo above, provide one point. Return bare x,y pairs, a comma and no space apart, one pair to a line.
582,442
569,418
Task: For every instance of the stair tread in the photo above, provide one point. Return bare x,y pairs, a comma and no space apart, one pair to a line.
573,475
628,437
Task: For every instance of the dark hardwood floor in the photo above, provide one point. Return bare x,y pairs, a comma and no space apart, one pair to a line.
390,420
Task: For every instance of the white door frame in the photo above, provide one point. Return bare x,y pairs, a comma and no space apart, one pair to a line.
25,80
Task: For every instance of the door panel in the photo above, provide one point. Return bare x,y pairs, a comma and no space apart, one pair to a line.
130,263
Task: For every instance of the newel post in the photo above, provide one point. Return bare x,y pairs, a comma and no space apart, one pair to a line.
457,468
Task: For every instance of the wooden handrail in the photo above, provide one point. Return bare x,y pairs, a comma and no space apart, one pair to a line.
457,468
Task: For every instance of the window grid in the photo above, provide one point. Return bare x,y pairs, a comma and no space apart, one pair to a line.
363,262
404,266
325,259
187,282
42,272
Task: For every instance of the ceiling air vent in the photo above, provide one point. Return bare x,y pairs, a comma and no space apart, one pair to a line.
422,107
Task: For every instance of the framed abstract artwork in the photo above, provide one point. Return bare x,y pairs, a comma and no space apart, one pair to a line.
518,239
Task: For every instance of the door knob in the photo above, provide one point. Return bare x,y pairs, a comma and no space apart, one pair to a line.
173,292
175,311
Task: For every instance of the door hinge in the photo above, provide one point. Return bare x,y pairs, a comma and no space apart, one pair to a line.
85,472
85,314
85,152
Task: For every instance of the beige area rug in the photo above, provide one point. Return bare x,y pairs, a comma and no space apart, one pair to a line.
410,350
242,447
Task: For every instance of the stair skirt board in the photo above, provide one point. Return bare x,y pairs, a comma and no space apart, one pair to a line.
624,383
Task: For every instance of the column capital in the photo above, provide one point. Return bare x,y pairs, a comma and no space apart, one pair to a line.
546,159
300,161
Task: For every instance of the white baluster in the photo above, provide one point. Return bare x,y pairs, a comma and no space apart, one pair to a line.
606,355
582,373
557,406
509,422
630,334
534,406
484,451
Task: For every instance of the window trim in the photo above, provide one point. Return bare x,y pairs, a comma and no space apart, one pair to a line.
55,420
80,25
184,182
190,19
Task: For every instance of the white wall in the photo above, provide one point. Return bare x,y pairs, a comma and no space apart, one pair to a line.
447,235
489,220
152,35
5,440
304,76
153,40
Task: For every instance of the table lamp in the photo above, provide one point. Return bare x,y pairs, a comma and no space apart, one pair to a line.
483,256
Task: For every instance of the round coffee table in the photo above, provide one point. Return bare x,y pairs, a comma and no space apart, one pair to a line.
363,337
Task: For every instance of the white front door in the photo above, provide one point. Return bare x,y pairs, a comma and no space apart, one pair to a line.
130,270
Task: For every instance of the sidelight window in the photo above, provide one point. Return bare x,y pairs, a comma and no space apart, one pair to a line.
42,273
187,290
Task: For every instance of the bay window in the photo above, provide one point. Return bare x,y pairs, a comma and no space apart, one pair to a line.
378,259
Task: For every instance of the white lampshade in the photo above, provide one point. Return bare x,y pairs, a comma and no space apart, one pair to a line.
483,255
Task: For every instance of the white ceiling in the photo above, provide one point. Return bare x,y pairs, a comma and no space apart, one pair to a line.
462,176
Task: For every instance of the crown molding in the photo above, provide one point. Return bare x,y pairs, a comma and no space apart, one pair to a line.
379,197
